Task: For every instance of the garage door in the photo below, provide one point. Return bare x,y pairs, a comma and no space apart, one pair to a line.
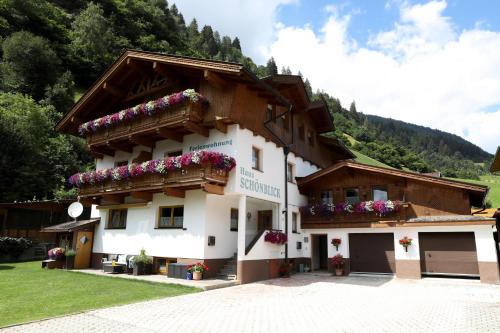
372,253
451,253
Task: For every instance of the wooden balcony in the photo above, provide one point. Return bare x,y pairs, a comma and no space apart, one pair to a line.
355,220
146,130
174,183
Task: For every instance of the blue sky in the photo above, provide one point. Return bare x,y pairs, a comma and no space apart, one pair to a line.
434,63
371,16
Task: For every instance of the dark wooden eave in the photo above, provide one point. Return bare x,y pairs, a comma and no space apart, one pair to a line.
477,193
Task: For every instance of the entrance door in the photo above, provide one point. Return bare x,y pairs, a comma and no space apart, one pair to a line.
320,252
265,220
372,253
83,248
449,253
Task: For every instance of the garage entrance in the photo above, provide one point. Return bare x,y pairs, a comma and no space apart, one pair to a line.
448,253
372,253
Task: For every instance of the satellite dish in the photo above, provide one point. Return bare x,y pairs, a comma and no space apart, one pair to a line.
75,209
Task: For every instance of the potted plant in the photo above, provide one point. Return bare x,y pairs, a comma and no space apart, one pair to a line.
197,270
284,271
70,258
405,242
338,263
336,242
142,264
189,273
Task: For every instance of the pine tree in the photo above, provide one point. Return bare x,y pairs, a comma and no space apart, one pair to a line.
236,43
271,67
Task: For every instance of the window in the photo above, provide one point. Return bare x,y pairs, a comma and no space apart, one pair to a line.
171,217
173,153
117,219
256,160
310,138
352,195
271,113
301,132
379,193
234,220
120,163
294,221
326,197
290,172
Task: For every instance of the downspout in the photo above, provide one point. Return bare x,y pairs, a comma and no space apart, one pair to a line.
286,151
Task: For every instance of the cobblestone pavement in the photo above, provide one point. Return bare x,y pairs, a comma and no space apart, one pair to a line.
303,303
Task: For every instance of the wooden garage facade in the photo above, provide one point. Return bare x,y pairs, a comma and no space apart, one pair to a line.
372,253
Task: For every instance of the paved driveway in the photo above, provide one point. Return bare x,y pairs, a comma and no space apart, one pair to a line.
303,303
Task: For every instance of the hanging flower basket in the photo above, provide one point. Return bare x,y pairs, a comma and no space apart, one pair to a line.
162,166
336,242
275,237
405,242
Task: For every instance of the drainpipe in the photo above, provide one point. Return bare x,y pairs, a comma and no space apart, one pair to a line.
286,151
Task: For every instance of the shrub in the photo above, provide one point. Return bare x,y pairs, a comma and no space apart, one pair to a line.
14,246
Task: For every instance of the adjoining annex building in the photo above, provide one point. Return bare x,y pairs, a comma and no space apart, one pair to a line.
190,166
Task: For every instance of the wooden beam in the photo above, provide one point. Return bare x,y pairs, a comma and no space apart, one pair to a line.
215,79
102,150
143,141
136,68
89,201
96,155
196,128
220,124
174,192
113,90
113,198
145,196
119,146
169,134
163,70
213,189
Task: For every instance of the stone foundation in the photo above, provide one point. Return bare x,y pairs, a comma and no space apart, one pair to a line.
408,269
488,272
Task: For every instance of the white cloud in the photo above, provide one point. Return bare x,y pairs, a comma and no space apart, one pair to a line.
254,22
422,71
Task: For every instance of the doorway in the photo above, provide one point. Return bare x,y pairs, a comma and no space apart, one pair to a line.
319,252
83,247
264,220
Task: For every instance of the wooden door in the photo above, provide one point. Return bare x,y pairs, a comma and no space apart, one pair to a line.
372,253
265,220
449,253
83,247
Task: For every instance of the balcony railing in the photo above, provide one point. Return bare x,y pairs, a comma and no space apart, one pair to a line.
191,177
346,220
175,118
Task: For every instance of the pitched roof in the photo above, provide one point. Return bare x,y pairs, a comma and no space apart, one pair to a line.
235,70
478,192
495,166
71,225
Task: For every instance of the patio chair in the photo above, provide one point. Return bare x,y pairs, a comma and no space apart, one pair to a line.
121,264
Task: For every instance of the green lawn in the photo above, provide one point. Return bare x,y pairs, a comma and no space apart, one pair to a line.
28,292
361,158
493,181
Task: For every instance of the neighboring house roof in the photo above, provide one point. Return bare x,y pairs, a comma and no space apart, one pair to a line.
495,166
477,192
71,226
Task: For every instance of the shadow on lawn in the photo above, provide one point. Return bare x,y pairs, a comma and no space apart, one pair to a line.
6,267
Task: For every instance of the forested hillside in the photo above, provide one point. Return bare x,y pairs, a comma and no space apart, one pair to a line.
52,50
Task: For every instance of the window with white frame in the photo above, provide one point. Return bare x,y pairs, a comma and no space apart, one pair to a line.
379,193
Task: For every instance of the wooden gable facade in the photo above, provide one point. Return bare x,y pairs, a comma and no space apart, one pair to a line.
235,96
419,195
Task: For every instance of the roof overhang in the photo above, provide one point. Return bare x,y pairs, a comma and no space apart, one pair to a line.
477,193
71,226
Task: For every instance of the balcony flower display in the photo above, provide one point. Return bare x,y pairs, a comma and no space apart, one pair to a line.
379,207
145,109
161,166
275,237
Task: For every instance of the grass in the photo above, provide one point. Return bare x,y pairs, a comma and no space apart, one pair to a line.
361,158
493,181
28,292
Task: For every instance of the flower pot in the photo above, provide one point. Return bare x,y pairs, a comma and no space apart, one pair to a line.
189,275
197,275
70,262
339,272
